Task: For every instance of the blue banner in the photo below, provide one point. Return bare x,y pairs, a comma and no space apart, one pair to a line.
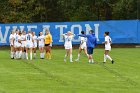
122,32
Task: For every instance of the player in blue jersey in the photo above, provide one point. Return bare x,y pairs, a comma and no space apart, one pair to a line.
91,43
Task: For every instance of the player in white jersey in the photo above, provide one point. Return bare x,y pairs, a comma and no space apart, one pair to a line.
68,45
107,43
34,44
41,44
29,44
83,46
23,44
11,41
17,44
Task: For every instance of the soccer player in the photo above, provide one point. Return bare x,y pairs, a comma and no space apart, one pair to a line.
68,45
41,44
83,46
29,44
11,41
107,43
48,44
91,43
34,44
23,44
17,44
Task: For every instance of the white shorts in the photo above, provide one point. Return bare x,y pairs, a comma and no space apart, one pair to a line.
108,48
17,45
29,45
68,46
41,45
34,45
83,46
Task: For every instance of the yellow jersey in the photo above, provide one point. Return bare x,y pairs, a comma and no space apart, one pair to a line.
48,39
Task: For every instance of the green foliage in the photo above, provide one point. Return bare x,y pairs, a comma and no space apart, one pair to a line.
13,11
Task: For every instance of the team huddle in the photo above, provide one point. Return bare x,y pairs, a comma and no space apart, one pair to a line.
21,43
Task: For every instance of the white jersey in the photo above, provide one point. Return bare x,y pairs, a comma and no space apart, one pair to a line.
41,41
108,44
68,41
29,38
11,39
83,42
16,40
23,42
29,41
34,41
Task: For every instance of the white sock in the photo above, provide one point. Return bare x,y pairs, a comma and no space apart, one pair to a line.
12,54
16,54
107,56
78,56
26,55
43,55
34,55
20,54
31,56
87,55
70,57
92,60
89,60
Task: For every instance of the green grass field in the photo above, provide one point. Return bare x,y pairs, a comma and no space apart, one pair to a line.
55,76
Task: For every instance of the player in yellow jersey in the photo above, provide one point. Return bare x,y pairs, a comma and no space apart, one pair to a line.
48,43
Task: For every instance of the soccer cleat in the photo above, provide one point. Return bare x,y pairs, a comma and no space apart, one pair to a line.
112,61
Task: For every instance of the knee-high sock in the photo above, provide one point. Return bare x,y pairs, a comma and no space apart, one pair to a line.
20,54
12,54
78,56
70,57
65,56
107,56
40,55
49,56
43,55
26,55
30,55
16,54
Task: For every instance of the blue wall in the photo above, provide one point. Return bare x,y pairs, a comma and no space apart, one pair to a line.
122,31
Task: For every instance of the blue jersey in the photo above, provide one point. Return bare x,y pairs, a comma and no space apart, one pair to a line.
91,40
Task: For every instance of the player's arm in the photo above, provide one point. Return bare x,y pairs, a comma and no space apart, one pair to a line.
83,35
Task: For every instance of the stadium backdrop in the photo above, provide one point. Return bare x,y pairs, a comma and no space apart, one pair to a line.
121,31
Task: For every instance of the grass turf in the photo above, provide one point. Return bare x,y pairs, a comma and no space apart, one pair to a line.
55,76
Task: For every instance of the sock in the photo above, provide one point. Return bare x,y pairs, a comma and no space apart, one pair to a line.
70,57
78,56
20,54
92,60
87,55
47,55
16,54
31,56
89,60
107,56
42,55
26,55
104,58
34,55
12,54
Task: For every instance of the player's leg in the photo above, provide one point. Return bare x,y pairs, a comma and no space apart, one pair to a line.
12,52
27,53
31,49
66,54
79,52
34,50
107,56
49,52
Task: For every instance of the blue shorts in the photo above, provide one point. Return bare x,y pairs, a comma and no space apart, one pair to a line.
89,50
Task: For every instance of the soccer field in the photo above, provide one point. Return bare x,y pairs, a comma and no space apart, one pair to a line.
55,76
